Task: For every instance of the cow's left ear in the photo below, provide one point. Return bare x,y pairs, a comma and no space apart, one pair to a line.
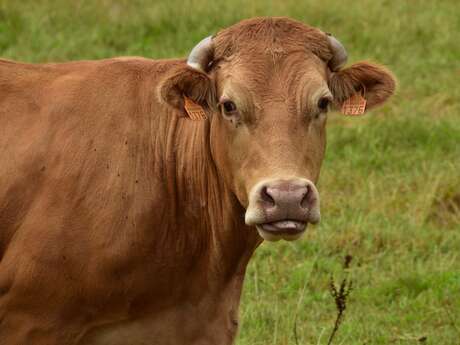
375,82
182,81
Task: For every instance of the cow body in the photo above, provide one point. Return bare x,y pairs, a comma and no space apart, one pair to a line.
96,245
124,222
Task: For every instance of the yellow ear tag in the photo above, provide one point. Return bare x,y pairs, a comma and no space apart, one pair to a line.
355,105
194,111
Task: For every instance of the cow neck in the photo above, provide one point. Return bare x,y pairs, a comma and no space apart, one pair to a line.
207,215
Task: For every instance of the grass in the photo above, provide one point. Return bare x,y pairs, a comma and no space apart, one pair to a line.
390,184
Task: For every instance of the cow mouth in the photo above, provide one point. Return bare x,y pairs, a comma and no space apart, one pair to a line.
287,229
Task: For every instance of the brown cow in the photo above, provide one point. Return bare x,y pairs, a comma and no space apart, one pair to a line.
122,221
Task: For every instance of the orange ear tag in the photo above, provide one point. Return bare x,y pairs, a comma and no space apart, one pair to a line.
194,111
355,105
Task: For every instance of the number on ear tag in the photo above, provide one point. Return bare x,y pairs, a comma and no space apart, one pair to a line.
355,105
194,111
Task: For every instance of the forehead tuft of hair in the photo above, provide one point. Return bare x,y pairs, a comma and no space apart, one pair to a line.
272,34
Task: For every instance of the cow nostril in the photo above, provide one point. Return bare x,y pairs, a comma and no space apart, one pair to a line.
266,197
306,199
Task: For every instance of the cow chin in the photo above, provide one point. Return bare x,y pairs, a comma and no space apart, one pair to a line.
273,236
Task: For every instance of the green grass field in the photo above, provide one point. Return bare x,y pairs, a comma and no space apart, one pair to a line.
390,183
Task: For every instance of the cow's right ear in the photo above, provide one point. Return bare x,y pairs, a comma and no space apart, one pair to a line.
184,80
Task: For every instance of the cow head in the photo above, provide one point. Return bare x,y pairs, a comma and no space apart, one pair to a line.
268,84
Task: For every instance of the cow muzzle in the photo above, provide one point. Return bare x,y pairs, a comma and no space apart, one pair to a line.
282,209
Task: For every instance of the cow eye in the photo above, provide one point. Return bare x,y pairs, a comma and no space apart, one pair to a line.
229,107
323,104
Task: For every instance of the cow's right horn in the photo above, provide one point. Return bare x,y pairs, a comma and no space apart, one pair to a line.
340,56
201,55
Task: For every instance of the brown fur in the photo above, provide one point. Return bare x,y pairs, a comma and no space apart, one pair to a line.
278,36
122,223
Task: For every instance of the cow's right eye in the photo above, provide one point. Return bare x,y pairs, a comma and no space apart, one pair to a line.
229,107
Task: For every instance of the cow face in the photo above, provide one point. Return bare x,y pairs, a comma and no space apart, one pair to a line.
269,84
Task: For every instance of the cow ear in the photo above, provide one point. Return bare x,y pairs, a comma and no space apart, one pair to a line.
185,81
374,82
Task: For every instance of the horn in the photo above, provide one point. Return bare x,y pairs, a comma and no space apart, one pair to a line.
339,57
201,55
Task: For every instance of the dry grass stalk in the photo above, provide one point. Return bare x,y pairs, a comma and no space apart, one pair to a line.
340,296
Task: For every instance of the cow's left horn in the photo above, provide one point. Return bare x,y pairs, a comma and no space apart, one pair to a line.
340,56
201,55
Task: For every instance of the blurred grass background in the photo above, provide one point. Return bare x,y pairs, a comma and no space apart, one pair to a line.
390,183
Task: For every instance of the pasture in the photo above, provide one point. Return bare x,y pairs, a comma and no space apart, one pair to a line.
390,184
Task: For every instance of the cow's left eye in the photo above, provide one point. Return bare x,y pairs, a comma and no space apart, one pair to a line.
323,104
